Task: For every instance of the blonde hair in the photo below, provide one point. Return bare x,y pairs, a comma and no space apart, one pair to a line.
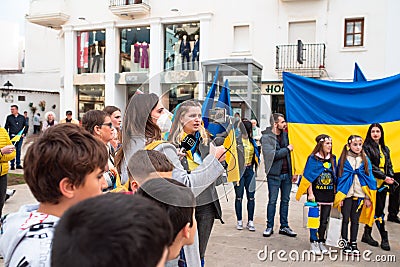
177,132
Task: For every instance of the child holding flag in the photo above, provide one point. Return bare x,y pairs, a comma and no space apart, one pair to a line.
356,194
318,180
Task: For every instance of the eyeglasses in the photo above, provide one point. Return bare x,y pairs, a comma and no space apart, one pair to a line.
108,124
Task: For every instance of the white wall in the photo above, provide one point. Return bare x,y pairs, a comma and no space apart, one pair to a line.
9,47
30,97
268,23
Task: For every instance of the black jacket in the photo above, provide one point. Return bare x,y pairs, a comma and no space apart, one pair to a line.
14,124
372,151
274,153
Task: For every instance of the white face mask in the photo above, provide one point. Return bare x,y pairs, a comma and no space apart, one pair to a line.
164,121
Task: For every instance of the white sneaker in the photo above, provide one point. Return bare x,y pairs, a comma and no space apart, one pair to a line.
323,249
250,226
239,225
9,193
315,248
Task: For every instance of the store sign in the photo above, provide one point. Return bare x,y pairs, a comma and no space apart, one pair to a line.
272,88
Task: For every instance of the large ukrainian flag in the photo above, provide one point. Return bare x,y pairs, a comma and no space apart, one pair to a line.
340,109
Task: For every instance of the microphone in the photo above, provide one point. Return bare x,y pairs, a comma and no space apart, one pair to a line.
188,142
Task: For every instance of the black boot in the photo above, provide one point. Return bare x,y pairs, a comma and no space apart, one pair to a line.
367,237
385,241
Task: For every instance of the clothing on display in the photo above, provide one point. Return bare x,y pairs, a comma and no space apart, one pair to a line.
144,63
96,55
185,51
196,51
136,53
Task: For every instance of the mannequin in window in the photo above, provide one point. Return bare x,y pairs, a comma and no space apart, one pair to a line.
144,63
185,51
96,55
196,51
178,59
136,53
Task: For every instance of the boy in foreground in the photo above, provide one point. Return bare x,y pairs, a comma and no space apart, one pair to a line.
64,166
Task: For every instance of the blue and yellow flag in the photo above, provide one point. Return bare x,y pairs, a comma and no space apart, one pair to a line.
368,185
313,218
224,102
232,159
340,109
16,138
312,171
256,152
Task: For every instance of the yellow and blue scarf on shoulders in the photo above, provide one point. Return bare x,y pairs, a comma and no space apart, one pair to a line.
312,170
368,184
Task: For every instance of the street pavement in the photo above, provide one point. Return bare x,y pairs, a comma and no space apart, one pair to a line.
231,247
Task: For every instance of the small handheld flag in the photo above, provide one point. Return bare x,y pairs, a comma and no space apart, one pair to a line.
16,138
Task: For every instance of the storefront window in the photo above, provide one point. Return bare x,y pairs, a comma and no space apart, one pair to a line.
90,97
135,49
91,51
182,46
174,94
244,77
133,89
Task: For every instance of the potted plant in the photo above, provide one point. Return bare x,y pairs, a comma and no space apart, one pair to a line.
33,109
42,105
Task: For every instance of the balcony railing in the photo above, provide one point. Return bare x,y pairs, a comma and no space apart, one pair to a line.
129,8
126,2
313,59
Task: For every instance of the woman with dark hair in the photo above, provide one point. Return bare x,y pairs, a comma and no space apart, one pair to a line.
382,169
99,124
249,158
116,119
318,180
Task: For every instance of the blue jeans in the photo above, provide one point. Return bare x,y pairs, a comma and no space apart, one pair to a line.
18,146
248,182
284,183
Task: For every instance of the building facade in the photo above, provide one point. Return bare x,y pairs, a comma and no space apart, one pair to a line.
99,52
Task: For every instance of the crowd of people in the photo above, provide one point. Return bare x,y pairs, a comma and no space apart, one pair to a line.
120,192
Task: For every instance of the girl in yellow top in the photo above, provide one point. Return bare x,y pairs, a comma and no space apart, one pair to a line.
247,180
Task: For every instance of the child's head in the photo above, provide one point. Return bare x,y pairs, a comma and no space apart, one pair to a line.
147,164
96,233
354,144
65,162
179,202
323,146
